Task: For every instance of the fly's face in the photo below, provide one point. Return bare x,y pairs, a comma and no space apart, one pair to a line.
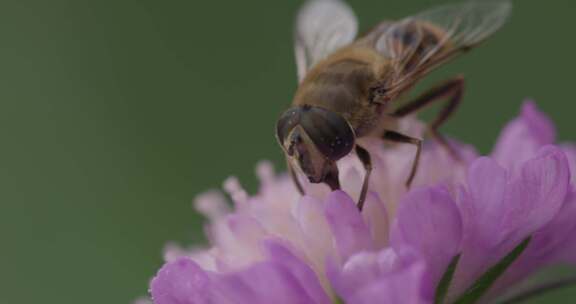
313,139
303,153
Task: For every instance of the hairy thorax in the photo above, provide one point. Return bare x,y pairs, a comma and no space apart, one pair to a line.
342,84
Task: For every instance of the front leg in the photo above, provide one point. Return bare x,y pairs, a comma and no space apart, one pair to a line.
294,177
366,160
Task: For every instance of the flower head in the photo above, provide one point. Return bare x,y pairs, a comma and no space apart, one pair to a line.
458,221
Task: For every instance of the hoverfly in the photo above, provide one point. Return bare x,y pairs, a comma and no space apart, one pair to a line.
347,84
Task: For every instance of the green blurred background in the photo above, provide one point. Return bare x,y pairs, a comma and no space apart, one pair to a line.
115,114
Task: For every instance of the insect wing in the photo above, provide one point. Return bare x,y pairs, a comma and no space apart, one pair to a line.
420,43
322,26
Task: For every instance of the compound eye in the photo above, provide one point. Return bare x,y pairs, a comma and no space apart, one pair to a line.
286,124
331,133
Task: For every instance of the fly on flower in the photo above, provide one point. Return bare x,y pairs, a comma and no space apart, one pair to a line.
347,83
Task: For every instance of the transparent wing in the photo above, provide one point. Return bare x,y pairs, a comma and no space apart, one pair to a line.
322,26
419,43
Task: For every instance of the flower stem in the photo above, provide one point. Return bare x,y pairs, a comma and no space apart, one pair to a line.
442,288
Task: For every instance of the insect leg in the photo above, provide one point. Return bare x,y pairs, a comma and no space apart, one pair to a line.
294,177
401,138
453,89
364,157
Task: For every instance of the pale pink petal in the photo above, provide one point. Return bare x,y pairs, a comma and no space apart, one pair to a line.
238,238
316,234
212,205
376,217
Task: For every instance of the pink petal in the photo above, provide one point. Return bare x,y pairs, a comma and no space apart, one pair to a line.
358,271
550,245
263,283
310,216
501,210
351,234
376,217
429,221
401,286
554,238
487,184
283,279
536,196
565,251
181,282
306,277
570,150
523,136
387,276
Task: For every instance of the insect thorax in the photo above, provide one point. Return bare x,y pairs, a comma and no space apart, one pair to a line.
343,87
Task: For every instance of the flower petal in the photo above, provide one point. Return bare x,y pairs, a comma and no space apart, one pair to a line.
315,232
358,271
570,150
305,276
181,282
429,221
501,210
282,278
262,283
309,213
376,217
553,238
565,251
238,236
536,196
351,234
523,136
399,287
555,243
487,184
212,204
388,276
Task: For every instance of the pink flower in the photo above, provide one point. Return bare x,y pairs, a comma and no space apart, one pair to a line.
278,247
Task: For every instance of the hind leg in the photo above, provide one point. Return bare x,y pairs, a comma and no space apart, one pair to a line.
453,90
